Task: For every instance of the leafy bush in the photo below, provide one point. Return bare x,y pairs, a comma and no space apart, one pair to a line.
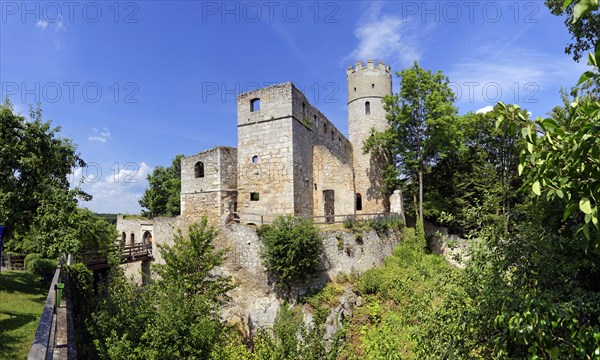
370,281
81,284
292,249
30,257
42,267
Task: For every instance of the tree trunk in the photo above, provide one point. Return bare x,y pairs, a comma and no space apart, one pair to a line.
421,192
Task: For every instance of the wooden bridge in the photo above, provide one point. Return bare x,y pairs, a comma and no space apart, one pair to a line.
129,253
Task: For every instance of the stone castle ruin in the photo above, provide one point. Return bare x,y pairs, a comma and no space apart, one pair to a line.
290,159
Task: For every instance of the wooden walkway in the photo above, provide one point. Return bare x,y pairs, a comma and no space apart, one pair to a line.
129,253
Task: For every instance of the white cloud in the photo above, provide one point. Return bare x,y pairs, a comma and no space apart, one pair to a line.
57,25
485,110
387,37
100,136
116,188
513,75
43,24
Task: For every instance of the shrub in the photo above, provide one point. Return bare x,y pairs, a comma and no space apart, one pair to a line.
43,267
30,257
349,222
292,249
370,282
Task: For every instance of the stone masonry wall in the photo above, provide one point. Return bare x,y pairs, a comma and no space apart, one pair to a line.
368,83
133,229
265,160
312,129
255,301
212,192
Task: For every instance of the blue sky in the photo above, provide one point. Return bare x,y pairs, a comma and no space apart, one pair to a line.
134,83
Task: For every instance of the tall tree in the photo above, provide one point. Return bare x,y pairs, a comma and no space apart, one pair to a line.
34,167
162,197
421,118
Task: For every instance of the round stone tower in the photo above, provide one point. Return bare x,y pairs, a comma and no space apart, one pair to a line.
366,87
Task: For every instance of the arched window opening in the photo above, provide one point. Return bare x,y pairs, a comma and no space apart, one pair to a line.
123,238
199,169
132,239
358,201
148,238
367,107
254,105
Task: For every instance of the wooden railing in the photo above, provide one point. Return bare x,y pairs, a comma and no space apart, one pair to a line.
129,253
261,219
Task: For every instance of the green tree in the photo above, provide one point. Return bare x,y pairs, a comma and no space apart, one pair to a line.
584,32
162,198
292,249
421,118
478,176
174,317
34,167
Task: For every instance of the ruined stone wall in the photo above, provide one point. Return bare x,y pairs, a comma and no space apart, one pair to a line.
208,185
332,173
133,229
265,159
312,129
255,301
368,84
165,230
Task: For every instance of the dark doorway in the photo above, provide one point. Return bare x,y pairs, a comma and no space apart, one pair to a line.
329,200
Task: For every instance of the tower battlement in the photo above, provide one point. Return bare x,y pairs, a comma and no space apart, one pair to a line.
370,65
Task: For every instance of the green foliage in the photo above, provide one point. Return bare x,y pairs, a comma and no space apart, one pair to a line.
177,315
42,267
162,197
421,118
477,184
82,301
30,257
35,194
398,297
584,32
292,249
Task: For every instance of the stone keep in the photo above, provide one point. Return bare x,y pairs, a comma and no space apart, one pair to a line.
367,85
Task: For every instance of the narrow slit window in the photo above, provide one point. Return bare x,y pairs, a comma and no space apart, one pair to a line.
358,201
255,159
199,169
315,117
367,107
254,196
254,105
332,135
132,239
325,128
303,109
372,86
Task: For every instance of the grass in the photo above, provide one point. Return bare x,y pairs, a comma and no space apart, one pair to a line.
21,304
